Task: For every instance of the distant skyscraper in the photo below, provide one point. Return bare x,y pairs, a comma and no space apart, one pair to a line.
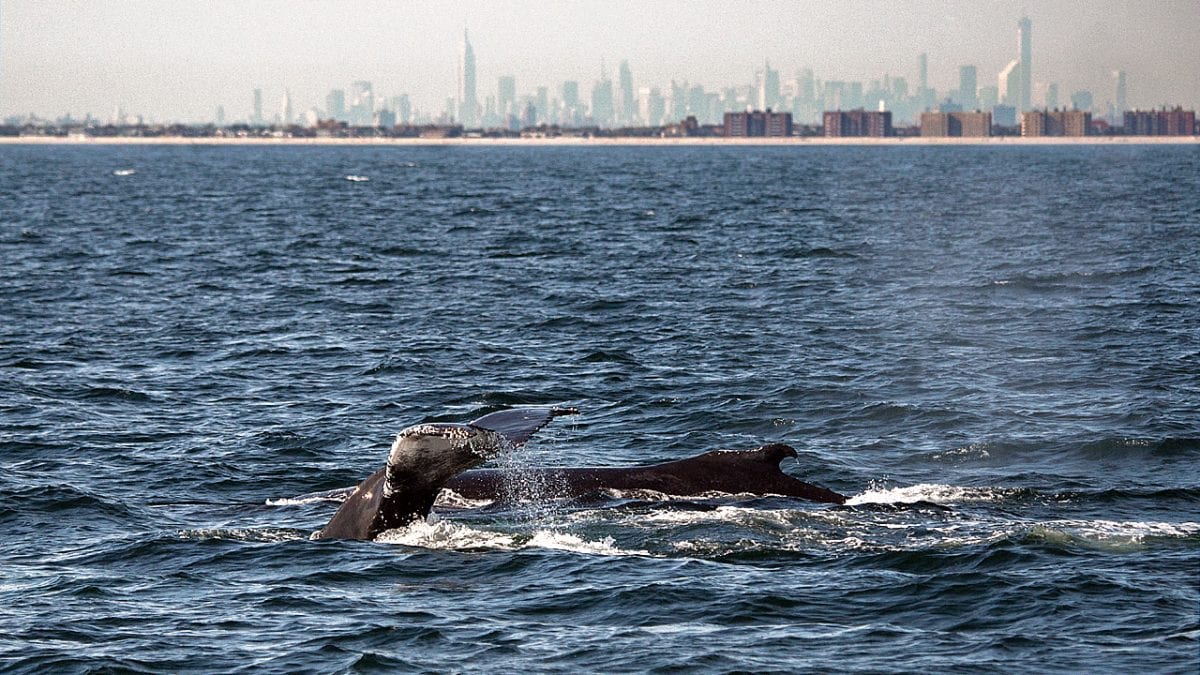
570,93
1082,100
769,94
507,94
1052,96
542,101
335,105
362,104
257,118
1004,115
468,104
404,109
286,117
384,118
1122,101
627,104
988,98
967,86
1026,80
570,103
651,106
602,101
1009,84
924,96
220,115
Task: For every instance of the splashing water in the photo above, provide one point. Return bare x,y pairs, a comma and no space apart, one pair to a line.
530,491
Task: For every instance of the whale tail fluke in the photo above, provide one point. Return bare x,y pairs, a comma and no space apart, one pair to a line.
423,457
518,425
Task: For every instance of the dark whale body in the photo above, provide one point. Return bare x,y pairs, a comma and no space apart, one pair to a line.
422,459
730,471
427,457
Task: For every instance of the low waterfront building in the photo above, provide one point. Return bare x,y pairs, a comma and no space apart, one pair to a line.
758,123
1037,123
1177,122
976,123
848,123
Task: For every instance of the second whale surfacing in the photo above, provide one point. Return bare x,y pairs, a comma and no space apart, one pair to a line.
753,471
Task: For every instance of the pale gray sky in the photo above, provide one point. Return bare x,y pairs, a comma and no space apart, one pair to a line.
178,59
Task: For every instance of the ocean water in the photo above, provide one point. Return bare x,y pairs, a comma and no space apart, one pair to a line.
994,351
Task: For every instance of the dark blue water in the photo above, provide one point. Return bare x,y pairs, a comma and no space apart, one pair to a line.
1010,333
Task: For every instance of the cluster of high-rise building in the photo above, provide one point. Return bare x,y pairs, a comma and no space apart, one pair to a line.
620,103
973,108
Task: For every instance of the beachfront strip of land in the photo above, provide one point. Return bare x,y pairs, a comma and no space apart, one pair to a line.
605,141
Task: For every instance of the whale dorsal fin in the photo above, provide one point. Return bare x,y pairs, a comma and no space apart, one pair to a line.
517,425
771,454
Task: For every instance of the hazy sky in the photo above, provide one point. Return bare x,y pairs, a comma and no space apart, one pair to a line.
178,59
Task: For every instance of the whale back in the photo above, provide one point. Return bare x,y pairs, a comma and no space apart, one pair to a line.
754,471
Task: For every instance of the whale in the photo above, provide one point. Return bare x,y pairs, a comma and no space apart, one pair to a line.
752,471
422,459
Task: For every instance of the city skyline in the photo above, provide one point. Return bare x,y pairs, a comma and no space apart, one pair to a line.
125,45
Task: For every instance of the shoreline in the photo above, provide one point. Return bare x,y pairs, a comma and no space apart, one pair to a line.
564,141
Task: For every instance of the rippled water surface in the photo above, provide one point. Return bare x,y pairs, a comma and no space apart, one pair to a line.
995,351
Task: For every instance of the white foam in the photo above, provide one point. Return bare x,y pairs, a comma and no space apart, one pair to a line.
1115,534
355,178
448,498
337,496
445,535
563,541
975,451
689,628
269,535
124,172
722,514
441,534
926,492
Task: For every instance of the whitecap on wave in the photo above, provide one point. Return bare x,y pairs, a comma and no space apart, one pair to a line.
1111,534
267,535
446,535
355,178
927,492
336,496
124,172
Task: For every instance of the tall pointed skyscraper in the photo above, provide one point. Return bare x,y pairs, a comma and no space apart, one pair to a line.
1026,80
286,117
626,103
1122,95
468,104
